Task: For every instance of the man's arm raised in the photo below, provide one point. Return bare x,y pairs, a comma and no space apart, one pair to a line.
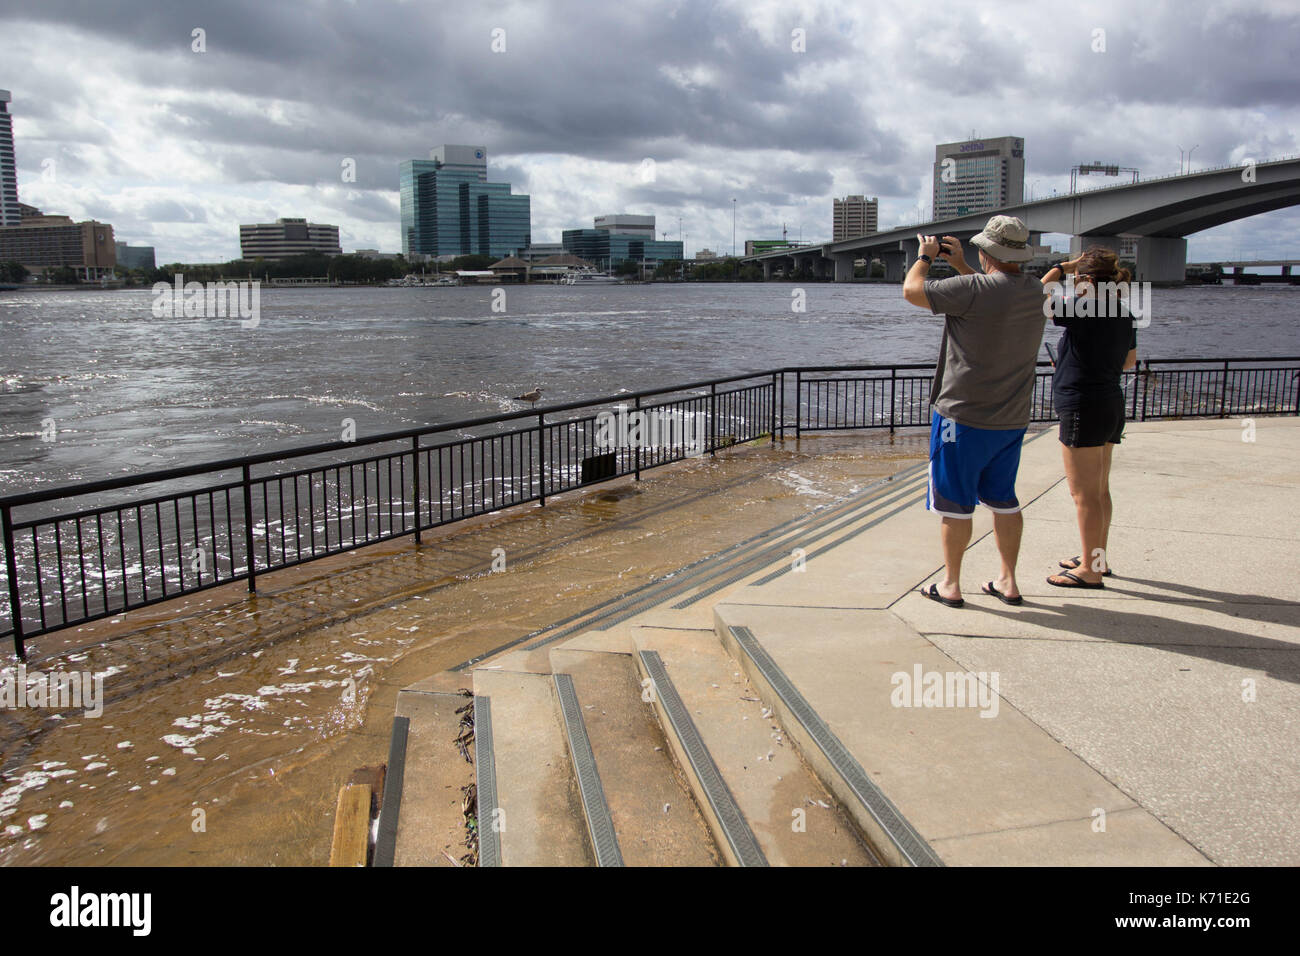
914,281
956,258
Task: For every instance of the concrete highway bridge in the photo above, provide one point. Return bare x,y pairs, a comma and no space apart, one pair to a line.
1161,212
1237,267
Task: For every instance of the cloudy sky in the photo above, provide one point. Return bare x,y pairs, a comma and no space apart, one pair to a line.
118,118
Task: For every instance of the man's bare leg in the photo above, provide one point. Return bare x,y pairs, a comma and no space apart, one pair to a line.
955,534
1008,529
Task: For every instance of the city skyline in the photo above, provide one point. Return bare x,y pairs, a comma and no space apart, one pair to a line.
774,105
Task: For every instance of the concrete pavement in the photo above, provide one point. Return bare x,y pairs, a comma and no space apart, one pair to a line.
1170,700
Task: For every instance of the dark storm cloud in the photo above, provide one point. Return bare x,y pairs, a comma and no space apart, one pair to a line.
593,85
286,91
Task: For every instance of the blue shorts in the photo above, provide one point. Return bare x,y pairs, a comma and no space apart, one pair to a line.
973,464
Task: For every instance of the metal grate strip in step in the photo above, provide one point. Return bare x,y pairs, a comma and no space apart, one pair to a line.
734,826
386,838
485,771
599,822
910,844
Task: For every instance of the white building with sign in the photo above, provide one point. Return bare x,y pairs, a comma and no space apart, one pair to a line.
978,174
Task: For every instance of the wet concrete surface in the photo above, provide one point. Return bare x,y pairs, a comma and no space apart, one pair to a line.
231,721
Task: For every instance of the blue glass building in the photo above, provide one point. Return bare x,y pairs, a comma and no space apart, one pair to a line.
449,207
607,249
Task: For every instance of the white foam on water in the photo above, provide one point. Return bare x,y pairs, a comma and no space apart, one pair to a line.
802,485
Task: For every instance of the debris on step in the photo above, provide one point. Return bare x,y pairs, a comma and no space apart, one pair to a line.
469,808
465,736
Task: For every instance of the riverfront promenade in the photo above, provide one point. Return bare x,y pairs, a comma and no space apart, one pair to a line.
1132,696
1152,723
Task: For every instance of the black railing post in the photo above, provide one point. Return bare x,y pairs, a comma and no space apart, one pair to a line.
541,458
1223,392
11,568
713,418
248,531
783,404
641,441
1296,379
415,486
1145,376
773,415
893,385
798,397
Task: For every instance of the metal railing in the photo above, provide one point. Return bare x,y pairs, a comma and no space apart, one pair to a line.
845,397
77,553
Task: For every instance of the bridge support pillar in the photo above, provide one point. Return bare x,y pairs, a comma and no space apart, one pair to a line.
1079,243
818,266
1161,259
767,268
844,266
895,261
1286,270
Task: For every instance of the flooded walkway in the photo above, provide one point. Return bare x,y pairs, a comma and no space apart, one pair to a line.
231,721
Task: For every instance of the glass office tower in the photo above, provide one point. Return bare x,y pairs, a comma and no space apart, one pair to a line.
607,249
449,207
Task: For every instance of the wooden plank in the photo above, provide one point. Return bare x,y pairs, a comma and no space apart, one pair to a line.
351,826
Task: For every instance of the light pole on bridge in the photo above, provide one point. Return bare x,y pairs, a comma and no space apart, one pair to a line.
733,228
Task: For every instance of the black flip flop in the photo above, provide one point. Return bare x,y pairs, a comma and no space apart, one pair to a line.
1108,573
934,595
1014,601
1079,582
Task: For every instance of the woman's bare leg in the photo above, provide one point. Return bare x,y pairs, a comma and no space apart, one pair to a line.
1106,507
1084,471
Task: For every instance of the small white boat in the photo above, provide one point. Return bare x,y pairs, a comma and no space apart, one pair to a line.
588,277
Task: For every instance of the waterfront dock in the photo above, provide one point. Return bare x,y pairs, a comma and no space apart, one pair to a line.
743,711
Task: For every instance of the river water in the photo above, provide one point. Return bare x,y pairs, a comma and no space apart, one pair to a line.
121,391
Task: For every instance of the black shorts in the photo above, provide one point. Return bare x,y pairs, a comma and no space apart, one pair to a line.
1097,423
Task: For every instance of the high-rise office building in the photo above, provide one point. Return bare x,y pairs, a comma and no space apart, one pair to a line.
9,215
449,207
983,174
854,216
288,237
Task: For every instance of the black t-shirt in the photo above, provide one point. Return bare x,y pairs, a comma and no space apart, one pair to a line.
1090,358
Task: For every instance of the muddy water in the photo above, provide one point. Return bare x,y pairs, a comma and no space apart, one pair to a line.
231,721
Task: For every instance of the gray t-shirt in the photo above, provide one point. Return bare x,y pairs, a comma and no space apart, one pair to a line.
993,329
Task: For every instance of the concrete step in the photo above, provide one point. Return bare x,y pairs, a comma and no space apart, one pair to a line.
422,821
686,596
537,815
652,813
932,785
764,805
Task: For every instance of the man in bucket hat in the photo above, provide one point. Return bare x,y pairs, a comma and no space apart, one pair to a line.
983,385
